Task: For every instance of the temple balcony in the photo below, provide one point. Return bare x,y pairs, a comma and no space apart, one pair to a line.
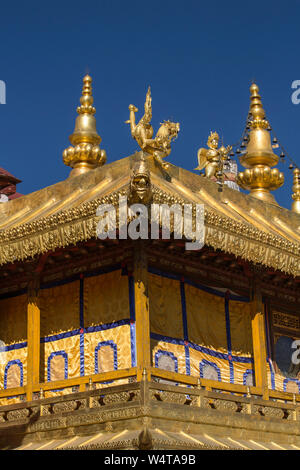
169,411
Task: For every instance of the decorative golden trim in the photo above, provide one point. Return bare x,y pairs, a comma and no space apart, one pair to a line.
79,224
286,321
296,191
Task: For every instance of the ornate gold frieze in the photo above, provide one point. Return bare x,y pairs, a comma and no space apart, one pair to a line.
79,224
15,415
286,321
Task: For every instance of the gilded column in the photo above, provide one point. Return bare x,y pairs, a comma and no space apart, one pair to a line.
259,341
33,338
141,308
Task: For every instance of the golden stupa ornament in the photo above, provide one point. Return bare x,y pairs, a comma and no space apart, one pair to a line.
296,191
259,177
85,154
160,146
212,159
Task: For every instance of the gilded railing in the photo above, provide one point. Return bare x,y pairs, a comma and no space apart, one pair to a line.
106,405
81,382
156,376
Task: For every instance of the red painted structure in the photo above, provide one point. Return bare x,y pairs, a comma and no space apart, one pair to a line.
8,184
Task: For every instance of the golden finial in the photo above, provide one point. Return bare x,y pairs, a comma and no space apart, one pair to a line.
259,158
296,191
256,109
85,154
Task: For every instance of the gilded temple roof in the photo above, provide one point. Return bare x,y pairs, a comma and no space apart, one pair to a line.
65,213
161,439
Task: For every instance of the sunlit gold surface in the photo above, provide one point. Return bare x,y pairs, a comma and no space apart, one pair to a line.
263,236
85,154
140,183
139,412
160,146
211,159
259,157
296,191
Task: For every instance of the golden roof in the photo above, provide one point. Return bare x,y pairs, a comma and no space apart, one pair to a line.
65,214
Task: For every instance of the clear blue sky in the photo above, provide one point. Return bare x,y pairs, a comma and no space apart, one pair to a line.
199,58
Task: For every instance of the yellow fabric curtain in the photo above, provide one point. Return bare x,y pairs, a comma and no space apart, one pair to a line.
206,319
106,359
209,366
282,383
207,330
165,306
59,309
51,350
106,299
240,328
13,330
173,356
11,371
13,320
116,339
60,314
241,341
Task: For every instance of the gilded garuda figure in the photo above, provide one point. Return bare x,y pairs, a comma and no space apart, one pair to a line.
160,146
212,159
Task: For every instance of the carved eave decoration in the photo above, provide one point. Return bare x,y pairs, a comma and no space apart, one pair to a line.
78,224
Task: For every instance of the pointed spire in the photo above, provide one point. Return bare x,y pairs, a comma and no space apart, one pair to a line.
85,154
259,158
256,109
296,191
